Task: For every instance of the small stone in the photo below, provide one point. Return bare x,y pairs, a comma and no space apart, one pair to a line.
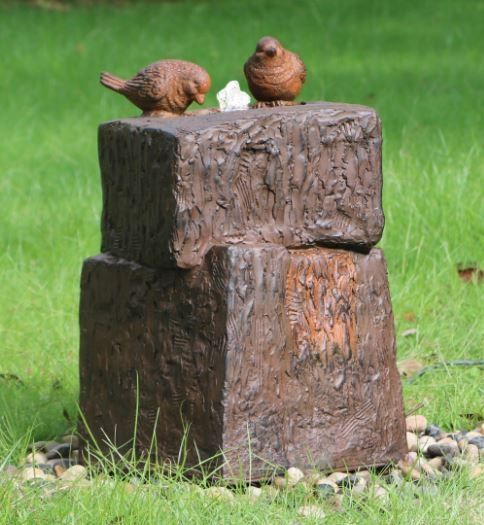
337,476
424,443
478,441
412,442
294,475
280,482
34,458
311,511
64,462
348,482
447,440
436,463
59,469
325,488
476,471
365,474
394,477
408,470
434,431
8,470
416,423
457,463
74,473
456,436
61,450
220,493
32,473
481,429
472,434
443,449
72,440
423,466
380,494
37,446
411,457
254,493
232,98
50,445
471,454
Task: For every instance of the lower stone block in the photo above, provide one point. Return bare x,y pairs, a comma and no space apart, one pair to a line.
270,355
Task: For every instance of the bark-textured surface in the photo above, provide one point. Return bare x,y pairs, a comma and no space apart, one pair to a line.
295,176
293,349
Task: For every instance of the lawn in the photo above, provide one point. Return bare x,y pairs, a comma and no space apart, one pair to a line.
418,63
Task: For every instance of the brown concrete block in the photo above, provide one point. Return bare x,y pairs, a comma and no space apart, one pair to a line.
295,176
295,349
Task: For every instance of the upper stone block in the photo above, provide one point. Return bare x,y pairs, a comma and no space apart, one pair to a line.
294,176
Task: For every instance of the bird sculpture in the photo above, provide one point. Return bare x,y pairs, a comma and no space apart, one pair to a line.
275,75
162,89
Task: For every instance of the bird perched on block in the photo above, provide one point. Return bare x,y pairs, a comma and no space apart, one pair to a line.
275,75
164,88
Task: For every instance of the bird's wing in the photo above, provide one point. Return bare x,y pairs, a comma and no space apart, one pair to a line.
148,86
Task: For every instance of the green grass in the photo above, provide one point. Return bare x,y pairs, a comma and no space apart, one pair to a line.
419,63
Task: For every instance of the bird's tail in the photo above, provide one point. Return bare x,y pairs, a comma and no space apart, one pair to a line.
111,81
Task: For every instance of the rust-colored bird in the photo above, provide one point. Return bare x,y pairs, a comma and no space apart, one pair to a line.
164,88
275,75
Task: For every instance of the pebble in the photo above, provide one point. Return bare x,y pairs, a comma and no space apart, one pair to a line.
443,449
280,482
35,458
354,483
481,429
50,445
478,441
456,436
9,471
394,477
416,423
424,443
434,431
412,442
364,474
476,471
472,434
471,454
74,473
254,492
436,463
294,475
325,487
380,494
61,450
32,473
408,469
72,440
422,465
220,493
37,446
337,476
311,511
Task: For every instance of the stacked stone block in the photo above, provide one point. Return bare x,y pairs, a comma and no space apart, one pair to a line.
238,296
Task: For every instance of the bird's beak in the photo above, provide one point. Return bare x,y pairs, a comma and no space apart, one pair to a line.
271,51
199,98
